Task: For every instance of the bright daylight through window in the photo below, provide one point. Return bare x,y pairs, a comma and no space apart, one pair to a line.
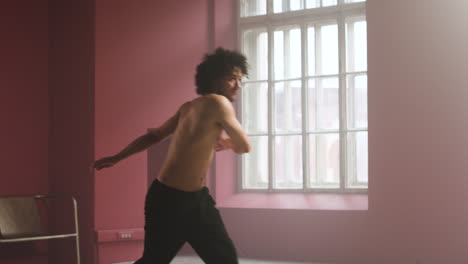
304,105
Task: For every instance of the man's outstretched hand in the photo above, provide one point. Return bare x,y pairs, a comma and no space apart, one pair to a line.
105,162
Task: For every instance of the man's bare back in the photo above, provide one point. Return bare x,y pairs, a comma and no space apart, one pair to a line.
192,144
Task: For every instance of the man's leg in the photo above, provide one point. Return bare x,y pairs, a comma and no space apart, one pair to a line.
209,238
164,227
161,244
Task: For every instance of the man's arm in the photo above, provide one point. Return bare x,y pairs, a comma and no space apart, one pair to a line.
238,140
154,136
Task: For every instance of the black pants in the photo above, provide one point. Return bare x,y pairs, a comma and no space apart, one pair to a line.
173,217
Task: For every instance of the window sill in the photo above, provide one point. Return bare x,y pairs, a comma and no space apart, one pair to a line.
295,201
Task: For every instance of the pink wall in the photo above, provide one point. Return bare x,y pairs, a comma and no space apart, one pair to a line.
24,102
146,54
418,130
145,59
71,115
418,146
23,109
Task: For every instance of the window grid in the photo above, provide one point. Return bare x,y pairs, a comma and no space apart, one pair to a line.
305,114
303,22
342,102
270,103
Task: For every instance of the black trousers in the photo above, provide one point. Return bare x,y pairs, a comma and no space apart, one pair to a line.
173,217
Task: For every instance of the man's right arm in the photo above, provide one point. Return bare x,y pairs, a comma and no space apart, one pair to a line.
141,143
138,145
238,141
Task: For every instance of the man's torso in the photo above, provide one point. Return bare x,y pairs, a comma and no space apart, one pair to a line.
192,145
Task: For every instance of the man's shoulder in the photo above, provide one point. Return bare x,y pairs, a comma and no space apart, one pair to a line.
215,100
212,104
185,106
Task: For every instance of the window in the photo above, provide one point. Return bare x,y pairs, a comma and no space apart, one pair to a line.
304,105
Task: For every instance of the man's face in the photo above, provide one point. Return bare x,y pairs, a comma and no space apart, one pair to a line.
230,84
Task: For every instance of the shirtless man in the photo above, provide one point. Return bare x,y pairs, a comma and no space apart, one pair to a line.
178,208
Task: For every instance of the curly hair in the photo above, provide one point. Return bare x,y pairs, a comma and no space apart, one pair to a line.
217,65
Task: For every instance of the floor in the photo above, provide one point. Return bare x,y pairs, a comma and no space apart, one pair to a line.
197,260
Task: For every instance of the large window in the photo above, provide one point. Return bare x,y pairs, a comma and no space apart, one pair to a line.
304,105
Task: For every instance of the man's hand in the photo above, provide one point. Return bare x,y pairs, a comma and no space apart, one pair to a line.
105,162
223,144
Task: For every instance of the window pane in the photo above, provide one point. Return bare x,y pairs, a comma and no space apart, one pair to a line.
353,1
316,3
255,47
324,154
356,45
311,51
288,162
329,49
357,101
278,38
312,3
253,7
357,159
323,104
255,107
256,164
280,6
287,106
295,5
287,54
329,2
294,54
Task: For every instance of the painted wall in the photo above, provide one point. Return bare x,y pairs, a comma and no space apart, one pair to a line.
24,102
417,125
146,54
23,109
71,115
418,144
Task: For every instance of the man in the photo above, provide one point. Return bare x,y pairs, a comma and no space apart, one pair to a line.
178,207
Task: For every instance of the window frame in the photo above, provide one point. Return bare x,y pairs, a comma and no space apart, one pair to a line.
303,19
